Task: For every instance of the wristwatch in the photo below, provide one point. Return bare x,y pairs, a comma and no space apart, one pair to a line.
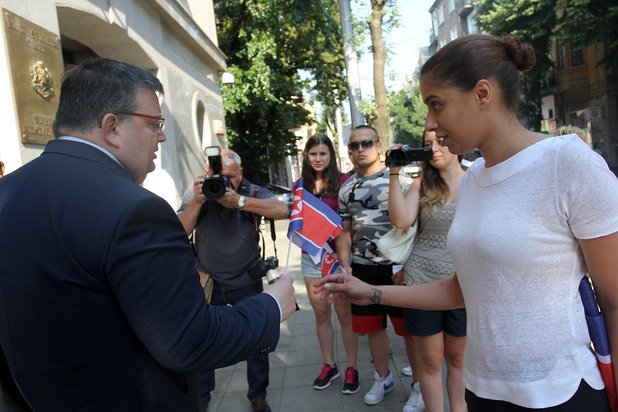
241,202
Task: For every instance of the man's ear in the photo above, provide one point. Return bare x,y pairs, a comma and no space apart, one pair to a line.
109,126
483,92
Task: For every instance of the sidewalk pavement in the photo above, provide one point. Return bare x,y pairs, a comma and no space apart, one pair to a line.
297,360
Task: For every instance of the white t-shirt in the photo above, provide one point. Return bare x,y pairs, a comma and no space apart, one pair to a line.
514,245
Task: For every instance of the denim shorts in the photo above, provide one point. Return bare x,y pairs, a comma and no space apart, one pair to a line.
308,268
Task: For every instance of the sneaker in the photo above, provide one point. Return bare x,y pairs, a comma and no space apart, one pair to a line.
381,387
328,374
350,384
415,402
407,371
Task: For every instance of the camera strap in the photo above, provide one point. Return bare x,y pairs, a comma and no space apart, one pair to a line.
245,189
273,236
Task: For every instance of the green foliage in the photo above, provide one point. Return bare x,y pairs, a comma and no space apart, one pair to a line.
360,23
532,21
408,114
368,109
267,44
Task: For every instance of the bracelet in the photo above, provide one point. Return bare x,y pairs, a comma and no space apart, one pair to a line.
376,296
394,174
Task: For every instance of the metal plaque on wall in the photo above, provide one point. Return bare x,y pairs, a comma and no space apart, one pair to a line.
36,68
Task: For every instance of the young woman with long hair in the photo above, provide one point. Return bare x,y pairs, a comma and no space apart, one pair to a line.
323,179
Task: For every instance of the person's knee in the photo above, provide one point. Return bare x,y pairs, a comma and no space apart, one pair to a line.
454,360
322,314
432,362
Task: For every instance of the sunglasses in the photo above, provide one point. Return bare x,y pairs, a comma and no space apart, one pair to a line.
366,144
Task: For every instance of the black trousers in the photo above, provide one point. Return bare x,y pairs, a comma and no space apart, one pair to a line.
584,399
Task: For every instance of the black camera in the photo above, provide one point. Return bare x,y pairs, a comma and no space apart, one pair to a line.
214,186
262,267
406,155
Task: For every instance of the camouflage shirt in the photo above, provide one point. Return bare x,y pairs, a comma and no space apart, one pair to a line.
363,200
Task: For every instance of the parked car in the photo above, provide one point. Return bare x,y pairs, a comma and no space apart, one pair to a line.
283,193
413,170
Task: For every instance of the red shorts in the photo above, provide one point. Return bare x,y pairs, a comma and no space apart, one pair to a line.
372,318
375,323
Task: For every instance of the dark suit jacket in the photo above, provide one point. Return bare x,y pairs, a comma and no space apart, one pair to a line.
100,302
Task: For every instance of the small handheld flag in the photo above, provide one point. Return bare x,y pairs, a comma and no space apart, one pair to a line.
312,224
330,264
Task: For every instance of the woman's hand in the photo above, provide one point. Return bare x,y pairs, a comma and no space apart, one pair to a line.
398,277
344,287
395,169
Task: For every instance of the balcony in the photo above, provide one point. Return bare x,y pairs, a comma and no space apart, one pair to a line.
433,39
465,8
548,81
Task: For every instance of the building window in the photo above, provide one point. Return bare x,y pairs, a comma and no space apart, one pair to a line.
472,29
561,52
200,116
577,57
451,5
454,33
440,15
202,130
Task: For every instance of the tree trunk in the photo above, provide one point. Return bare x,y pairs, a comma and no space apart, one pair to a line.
381,122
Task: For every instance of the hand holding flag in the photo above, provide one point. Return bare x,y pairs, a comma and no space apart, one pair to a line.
598,336
312,224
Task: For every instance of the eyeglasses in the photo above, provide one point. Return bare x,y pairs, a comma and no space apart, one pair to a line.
366,144
160,119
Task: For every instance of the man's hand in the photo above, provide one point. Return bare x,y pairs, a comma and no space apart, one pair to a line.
197,189
229,199
283,291
342,286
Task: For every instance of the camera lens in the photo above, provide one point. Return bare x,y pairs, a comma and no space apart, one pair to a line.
213,188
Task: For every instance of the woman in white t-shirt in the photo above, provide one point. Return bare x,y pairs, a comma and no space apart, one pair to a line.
534,214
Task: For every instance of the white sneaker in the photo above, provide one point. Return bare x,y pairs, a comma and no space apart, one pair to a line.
381,387
407,371
415,402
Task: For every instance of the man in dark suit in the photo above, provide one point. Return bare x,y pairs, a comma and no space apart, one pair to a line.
100,302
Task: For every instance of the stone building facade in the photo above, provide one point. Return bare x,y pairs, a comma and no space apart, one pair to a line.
174,39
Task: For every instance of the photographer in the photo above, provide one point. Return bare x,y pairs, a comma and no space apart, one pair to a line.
226,246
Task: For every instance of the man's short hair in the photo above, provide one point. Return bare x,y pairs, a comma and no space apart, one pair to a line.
97,87
230,157
367,127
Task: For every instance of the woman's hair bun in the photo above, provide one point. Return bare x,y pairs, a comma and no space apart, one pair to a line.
522,54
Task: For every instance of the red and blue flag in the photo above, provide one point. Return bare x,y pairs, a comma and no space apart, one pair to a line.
330,264
598,336
312,224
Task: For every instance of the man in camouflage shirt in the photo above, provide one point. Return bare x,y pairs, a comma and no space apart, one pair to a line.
363,205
